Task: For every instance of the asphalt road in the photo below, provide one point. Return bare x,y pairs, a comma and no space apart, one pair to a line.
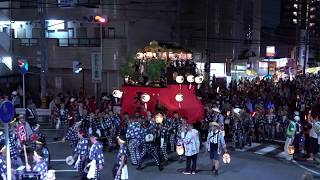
260,162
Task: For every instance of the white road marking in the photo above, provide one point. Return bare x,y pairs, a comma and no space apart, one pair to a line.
266,150
47,129
280,141
305,168
281,155
57,160
246,148
65,170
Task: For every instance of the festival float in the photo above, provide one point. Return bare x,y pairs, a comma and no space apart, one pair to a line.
162,76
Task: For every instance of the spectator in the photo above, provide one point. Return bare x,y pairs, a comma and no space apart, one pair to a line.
192,148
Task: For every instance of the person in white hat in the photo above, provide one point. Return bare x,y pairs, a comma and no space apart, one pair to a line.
16,99
215,145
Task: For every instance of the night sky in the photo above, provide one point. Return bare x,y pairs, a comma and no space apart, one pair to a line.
270,13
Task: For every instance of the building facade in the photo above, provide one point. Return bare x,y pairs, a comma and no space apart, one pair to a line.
53,34
300,27
221,30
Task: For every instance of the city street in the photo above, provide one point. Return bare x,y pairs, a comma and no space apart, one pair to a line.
261,161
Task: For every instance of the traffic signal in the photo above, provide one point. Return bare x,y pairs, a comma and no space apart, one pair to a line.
100,19
77,67
24,65
96,18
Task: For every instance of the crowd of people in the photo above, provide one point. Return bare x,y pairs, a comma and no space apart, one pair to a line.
244,112
263,110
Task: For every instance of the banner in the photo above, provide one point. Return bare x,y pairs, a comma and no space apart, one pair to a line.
190,107
96,67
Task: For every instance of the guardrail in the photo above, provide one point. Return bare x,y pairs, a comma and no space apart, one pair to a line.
40,112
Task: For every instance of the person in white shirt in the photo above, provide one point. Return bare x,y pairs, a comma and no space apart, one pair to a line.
191,144
313,141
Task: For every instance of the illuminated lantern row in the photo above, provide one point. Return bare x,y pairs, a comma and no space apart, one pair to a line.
164,56
190,78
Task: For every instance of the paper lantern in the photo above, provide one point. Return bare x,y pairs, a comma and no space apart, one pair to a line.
290,150
179,97
199,79
158,118
139,55
117,93
149,55
51,175
69,160
190,78
180,150
126,79
226,158
179,79
145,98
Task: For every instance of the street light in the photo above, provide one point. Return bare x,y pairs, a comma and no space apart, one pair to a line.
101,20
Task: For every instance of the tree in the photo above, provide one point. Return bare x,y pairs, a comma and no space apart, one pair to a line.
127,68
153,69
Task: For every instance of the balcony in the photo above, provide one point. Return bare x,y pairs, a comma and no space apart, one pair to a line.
29,41
79,42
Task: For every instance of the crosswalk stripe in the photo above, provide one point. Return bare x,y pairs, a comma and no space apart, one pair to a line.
247,148
266,150
281,155
57,160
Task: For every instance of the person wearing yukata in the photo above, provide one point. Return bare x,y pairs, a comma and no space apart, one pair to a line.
164,135
36,134
134,138
95,123
31,116
148,144
181,133
120,169
109,130
40,166
81,153
62,121
3,163
96,158
174,126
15,148
72,135
41,145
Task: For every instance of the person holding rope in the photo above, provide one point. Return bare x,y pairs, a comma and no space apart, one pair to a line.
81,153
40,166
41,145
120,169
96,158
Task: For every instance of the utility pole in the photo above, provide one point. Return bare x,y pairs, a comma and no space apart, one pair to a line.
43,49
206,46
306,37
